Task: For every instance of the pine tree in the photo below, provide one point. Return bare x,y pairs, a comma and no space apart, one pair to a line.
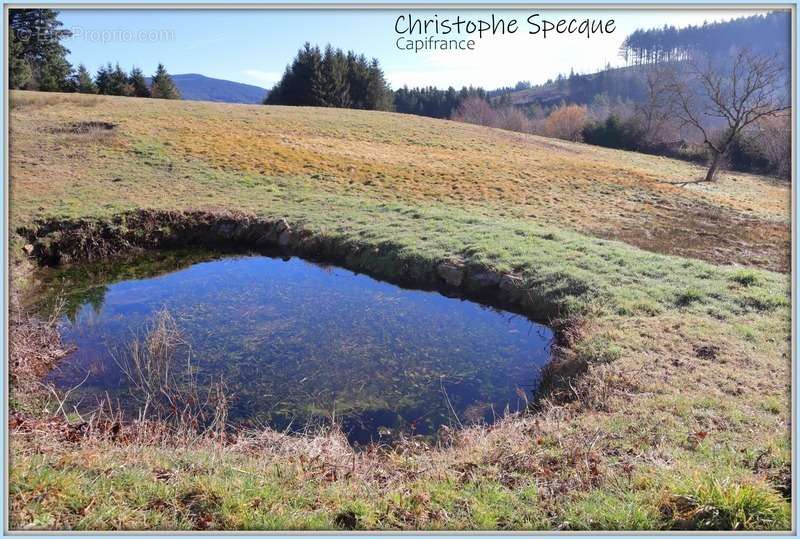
302,83
162,86
334,76
138,83
103,79
379,95
36,41
19,70
308,84
118,82
357,79
277,95
332,79
82,81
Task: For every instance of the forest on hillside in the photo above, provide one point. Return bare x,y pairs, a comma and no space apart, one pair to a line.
636,107
768,33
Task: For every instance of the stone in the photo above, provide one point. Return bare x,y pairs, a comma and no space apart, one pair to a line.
510,283
226,230
277,229
513,287
28,248
285,238
484,279
281,225
452,274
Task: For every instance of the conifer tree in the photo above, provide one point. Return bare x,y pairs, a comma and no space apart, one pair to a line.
82,81
162,86
379,95
358,80
19,70
138,83
334,76
35,40
118,82
102,79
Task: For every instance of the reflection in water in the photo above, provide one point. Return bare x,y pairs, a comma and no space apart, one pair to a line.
297,342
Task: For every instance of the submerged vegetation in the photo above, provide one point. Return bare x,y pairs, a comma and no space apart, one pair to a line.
666,407
294,342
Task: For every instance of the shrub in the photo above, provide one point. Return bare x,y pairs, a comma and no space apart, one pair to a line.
566,122
614,132
475,110
745,277
513,119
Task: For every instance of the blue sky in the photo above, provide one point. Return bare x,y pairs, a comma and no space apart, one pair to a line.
254,46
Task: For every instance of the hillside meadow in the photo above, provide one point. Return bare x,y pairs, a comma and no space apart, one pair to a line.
668,404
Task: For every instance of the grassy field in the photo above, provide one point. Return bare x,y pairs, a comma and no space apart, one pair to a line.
680,418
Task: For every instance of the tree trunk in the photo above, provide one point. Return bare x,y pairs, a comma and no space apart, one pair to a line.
712,168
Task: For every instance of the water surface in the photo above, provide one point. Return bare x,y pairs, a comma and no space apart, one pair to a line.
296,342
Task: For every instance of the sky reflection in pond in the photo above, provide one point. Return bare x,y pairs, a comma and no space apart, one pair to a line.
296,341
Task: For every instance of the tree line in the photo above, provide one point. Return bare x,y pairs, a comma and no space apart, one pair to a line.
115,81
432,102
332,78
733,113
768,33
38,61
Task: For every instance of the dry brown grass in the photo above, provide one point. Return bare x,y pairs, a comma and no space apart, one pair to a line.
621,195
34,348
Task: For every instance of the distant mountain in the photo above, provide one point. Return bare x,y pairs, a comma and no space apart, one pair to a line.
197,87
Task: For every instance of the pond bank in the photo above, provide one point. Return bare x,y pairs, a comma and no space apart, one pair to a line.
66,241
55,241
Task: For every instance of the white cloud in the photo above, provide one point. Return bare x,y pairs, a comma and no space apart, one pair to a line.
266,79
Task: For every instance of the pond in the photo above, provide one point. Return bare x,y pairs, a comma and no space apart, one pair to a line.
297,342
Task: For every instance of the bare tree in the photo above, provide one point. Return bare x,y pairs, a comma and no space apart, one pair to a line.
474,110
656,112
772,138
752,88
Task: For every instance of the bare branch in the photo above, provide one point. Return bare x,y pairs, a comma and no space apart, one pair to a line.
750,89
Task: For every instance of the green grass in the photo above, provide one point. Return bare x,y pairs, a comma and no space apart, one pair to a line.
687,361
710,503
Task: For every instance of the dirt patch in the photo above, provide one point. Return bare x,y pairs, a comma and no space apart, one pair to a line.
706,351
85,128
716,235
